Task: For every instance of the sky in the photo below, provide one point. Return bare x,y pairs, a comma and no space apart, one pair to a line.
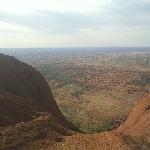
74,23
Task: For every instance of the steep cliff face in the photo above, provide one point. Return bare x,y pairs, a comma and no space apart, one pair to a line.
24,81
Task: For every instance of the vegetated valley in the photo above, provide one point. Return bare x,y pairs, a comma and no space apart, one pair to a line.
100,100
95,88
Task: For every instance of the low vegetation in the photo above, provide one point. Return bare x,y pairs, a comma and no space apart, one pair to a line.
95,90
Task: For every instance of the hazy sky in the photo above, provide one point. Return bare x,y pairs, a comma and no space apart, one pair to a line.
60,23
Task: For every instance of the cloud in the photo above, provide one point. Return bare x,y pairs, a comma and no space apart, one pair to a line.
133,7
86,20
56,22
28,6
7,27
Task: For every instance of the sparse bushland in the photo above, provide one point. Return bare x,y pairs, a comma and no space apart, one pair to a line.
94,88
91,110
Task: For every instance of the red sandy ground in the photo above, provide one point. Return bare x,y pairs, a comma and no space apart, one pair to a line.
133,134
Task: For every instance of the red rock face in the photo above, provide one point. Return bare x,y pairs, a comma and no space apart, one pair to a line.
138,122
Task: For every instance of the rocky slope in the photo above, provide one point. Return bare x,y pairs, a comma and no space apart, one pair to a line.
44,133
41,133
134,134
14,109
138,123
31,89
